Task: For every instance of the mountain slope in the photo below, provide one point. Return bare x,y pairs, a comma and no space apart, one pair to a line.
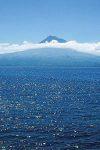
53,38
50,57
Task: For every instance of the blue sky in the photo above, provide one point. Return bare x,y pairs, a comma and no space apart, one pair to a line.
33,20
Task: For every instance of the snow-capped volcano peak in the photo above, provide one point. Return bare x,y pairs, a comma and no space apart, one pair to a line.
53,39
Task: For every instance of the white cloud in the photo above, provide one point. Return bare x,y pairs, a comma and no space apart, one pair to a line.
92,48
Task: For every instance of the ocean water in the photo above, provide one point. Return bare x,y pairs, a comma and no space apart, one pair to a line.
49,108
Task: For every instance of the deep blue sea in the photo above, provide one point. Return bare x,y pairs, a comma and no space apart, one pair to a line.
49,108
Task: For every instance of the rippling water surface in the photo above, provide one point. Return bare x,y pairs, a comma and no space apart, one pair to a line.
49,109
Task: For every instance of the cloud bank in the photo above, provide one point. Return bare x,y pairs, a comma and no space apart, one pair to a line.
91,48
